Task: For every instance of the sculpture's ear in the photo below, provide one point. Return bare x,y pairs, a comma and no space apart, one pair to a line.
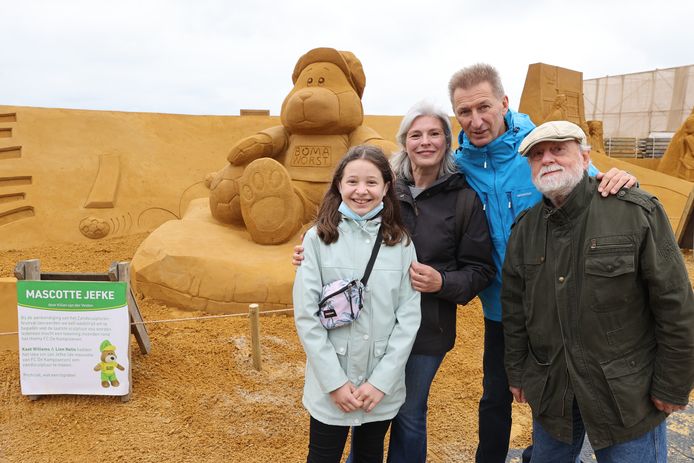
356,72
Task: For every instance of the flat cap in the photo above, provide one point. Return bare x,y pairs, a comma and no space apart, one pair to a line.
552,131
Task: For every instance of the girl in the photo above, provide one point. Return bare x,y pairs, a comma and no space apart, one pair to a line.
355,374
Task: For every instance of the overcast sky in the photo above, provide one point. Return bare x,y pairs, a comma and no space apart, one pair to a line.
216,57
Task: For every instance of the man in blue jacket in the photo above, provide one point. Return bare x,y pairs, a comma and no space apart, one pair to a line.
488,156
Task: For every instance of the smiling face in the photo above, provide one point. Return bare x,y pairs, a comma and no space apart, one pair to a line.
557,166
480,113
362,187
425,143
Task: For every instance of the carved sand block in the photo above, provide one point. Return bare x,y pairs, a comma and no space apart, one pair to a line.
553,93
79,175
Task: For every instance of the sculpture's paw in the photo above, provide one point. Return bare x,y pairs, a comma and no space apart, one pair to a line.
250,148
271,210
225,203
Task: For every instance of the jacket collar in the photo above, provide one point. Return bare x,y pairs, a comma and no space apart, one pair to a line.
453,181
370,226
575,205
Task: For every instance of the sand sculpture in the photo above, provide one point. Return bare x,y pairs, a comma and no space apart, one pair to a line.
54,163
217,257
78,175
552,93
678,159
130,173
276,178
560,110
596,136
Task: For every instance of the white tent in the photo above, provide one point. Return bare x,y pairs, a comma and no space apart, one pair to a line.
636,105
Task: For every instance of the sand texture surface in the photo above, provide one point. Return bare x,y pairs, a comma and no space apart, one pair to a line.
196,396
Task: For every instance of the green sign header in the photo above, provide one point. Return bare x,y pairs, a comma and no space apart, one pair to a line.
71,295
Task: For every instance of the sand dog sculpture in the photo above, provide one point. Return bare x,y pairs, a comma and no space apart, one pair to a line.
276,178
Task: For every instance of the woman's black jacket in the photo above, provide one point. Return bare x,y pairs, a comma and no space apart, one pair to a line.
450,233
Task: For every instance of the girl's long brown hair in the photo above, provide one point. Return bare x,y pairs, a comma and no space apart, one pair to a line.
392,228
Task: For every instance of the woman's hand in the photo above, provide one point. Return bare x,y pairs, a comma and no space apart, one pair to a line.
614,180
298,255
344,398
369,396
424,278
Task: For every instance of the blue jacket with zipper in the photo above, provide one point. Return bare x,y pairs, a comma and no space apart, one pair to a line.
502,179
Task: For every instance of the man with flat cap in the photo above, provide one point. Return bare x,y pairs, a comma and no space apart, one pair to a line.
598,310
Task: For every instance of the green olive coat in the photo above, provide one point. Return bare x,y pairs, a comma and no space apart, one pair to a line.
597,306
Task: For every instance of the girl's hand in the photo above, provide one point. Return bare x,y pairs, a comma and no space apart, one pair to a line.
369,396
344,398
424,278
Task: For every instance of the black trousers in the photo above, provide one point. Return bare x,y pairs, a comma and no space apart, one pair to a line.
327,442
495,405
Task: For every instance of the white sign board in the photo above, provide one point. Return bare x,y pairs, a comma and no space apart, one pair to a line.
73,337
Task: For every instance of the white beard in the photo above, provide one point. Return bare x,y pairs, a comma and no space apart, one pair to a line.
561,184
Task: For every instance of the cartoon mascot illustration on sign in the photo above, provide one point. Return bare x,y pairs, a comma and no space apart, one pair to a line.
108,364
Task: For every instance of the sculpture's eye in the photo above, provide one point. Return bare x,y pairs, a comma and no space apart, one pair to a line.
310,80
321,81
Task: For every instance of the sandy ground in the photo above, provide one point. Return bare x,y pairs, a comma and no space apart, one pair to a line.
196,396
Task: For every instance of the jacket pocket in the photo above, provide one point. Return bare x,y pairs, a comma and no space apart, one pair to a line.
380,348
610,273
534,382
341,346
629,381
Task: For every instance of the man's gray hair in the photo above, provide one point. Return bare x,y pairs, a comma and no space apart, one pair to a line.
400,161
476,74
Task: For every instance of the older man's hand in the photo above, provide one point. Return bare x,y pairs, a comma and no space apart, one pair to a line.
665,406
518,394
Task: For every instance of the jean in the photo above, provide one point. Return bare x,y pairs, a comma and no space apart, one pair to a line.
408,432
495,405
649,448
327,442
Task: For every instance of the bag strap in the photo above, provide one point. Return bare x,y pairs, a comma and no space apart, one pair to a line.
374,253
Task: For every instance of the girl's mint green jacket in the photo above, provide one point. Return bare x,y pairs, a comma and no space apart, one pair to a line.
376,346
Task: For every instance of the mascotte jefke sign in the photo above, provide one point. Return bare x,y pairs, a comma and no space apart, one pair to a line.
73,337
